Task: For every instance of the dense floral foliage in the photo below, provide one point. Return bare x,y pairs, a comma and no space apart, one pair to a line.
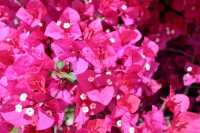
100,66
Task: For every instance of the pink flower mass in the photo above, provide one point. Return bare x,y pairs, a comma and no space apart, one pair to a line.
100,66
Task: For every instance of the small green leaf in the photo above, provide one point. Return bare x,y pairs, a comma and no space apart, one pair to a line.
52,74
70,109
60,65
69,115
64,75
14,130
71,76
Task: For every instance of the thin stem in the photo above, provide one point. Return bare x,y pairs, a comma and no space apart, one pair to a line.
186,90
188,87
162,107
179,51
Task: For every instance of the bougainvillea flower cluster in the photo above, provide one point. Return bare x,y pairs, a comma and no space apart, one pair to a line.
100,66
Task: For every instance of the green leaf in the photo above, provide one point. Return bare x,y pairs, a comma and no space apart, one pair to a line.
69,118
14,130
60,65
69,76
52,74
73,76
70,108
64,75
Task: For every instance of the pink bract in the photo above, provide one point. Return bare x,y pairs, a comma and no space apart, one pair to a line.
99,66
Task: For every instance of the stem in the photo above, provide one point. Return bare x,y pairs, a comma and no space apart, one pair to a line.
162,107
55,129
180,52
186,90
18,2
188,87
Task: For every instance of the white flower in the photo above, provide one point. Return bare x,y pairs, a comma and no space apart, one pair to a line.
66,25
28,33
118,97
85,109
147,67
93,105
109,82
83,96
29,111
189,69
49,112
18,108
131,129
119,123
124,7
40,24
23,97
90,79
58,22
8,39
112,40
108,73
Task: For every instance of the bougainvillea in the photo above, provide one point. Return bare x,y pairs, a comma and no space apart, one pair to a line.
99,66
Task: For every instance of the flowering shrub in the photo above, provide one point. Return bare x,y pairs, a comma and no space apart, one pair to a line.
100,66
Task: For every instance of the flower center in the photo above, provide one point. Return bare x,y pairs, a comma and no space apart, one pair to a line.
18,108
23,97
66,25
85,109
124,7
29,111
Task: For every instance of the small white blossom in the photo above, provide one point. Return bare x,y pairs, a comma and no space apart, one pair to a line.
147,67
189,69
28,33
143,56
58,22
85,109
49,112
30,111
18,108
112,40
118,97
40,104
93,105
108,73
119,123
83,96
90,79
124,7
23,97
131,129
107,30
66,25
109,82
8,39
40,24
